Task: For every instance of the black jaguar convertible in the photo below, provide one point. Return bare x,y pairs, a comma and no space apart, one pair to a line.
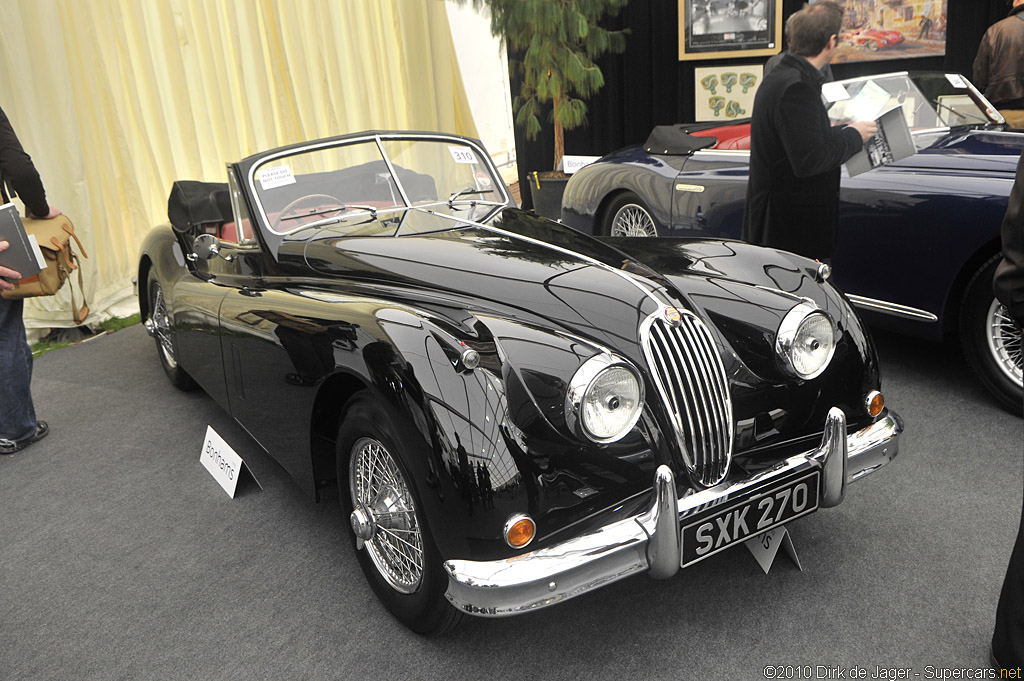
514,413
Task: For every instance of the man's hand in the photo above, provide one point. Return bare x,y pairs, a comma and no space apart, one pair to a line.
6,272
867,129
54,212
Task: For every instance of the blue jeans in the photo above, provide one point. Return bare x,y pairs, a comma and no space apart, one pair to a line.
17,415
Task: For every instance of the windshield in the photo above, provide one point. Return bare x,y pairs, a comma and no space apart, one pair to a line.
366,187
933,100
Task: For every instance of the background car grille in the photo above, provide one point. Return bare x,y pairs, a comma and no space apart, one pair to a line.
691,380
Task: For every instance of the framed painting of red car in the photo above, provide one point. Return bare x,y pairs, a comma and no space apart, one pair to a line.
874,30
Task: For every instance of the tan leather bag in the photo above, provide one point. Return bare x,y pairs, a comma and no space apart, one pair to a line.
54,237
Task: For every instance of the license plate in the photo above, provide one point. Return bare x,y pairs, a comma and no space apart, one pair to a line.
742,520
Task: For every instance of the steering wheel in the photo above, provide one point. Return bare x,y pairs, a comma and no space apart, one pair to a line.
308,198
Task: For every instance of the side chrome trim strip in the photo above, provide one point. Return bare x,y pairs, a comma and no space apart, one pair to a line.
894,309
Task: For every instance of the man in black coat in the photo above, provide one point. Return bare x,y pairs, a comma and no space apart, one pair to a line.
1008,637
795,152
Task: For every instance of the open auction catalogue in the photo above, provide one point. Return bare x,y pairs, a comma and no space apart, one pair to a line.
22,254
891,143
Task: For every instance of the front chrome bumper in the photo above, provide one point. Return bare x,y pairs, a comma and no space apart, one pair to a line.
650,541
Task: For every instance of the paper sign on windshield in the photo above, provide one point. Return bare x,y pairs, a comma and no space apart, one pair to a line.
275,177
462,154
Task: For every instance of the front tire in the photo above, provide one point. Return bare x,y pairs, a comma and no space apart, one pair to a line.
992,341
628,216
393,542
159,324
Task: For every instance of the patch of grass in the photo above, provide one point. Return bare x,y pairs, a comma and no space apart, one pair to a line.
46,345
118,323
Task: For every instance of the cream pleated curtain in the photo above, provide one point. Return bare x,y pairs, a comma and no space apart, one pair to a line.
116,99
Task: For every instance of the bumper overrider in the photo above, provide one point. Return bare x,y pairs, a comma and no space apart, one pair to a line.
651,541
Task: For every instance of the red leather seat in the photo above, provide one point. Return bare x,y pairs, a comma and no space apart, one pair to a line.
228,232
729,136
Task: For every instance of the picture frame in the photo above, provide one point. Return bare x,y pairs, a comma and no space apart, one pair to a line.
725,93
876,30
723,29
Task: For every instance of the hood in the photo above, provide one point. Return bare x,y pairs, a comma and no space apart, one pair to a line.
531,271
968,151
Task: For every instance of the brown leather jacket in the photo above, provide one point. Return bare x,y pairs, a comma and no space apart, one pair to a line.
999,66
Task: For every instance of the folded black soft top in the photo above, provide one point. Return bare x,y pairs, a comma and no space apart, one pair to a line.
195,203
674,140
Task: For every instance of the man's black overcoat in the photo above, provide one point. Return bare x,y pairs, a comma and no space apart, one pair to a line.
795,156
1008,638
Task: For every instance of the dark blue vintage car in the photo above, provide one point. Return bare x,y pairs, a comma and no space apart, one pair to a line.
919,238
513,413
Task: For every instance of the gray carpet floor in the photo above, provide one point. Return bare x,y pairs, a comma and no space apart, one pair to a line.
121,558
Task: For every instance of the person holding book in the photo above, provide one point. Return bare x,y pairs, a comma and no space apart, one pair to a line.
795,152
19,426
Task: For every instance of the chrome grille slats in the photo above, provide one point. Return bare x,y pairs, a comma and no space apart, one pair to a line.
718,391
690,377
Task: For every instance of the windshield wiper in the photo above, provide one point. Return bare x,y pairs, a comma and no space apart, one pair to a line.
335,219
468,191
962,114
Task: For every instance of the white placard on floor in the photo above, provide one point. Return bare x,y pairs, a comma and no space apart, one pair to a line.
766,545
226,467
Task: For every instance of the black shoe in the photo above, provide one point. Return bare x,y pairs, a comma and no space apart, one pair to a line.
10,447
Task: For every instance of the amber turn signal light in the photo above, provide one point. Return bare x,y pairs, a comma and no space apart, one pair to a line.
519,530
874,403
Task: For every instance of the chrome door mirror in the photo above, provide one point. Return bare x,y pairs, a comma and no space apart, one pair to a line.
206,246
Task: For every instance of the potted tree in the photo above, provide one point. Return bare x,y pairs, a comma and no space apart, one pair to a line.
553,45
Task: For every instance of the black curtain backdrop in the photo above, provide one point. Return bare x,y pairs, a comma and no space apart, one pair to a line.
647,85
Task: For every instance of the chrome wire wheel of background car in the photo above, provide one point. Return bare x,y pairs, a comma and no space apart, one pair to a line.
158,325
384,516
990,340
1004,341
628,216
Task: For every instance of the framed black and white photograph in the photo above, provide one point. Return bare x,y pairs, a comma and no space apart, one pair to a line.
718,29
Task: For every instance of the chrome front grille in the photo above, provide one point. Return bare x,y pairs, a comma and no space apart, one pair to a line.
691,380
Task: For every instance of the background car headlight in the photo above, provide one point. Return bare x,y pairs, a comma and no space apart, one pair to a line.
604,399
806,341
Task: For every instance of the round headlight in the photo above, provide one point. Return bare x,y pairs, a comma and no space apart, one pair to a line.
806,341
604,399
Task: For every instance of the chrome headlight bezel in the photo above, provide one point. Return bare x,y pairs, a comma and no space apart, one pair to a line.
789,329
583,381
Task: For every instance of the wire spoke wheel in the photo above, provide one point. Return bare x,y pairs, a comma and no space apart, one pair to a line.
633,220
1004,342
162,328
387,525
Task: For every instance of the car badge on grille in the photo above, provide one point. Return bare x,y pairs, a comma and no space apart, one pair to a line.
673,316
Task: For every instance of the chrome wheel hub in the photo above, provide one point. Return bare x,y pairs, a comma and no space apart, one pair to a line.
384,516
1004,342
362,525
633,220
